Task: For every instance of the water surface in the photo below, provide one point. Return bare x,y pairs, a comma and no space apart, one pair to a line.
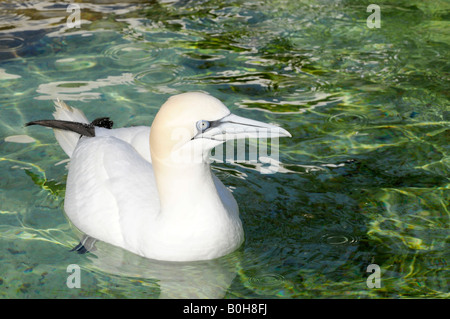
364,179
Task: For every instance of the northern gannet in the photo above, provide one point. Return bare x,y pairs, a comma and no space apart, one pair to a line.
160,199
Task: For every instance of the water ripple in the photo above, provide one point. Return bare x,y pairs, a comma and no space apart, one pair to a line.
10,43
339,239
72,64
132,53
348,119
155,76
267,280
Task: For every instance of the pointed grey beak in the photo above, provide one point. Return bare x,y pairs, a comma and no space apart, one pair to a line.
237,127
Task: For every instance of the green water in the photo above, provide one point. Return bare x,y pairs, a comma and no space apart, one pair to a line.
364,179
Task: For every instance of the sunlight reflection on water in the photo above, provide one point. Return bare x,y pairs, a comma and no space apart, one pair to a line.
363,180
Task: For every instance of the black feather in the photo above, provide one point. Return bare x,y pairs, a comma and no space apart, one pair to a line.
103,122
80,128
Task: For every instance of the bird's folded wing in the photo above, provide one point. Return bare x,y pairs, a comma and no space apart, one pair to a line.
111,190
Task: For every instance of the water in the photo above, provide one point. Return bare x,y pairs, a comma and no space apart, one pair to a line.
364,179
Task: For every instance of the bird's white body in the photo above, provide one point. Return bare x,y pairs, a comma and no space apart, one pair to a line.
112,195
137,195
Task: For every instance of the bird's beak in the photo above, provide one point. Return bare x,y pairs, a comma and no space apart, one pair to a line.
236,127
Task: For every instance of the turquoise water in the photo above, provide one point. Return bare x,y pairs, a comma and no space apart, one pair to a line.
364,179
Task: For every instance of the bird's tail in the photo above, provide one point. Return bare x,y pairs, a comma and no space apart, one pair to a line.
68,125
63,112
68,139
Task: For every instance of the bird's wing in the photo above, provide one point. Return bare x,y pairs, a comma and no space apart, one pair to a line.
136,136
111,190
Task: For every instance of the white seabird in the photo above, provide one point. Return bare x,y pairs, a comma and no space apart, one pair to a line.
160,199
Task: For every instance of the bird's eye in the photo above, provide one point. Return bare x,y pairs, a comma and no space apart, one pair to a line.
202,125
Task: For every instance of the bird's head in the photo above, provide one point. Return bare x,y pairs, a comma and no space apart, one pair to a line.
189,125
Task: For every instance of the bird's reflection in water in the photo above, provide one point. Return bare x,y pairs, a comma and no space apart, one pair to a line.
181,280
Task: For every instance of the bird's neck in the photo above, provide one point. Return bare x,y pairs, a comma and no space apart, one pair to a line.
185,186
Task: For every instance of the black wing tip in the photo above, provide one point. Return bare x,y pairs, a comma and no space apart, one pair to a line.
36,122
104,122
80,128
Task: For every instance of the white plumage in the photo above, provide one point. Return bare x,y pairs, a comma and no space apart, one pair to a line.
151,190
